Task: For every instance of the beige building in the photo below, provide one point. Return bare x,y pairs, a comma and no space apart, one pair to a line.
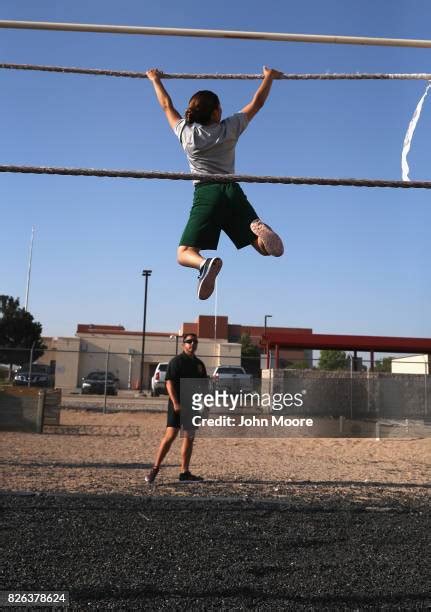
97,347
112,347
413,364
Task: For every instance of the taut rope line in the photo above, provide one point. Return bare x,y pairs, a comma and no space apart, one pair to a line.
218,178
153,31
423,76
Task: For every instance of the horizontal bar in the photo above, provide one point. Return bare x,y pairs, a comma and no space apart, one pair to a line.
218,178
236,34
424,76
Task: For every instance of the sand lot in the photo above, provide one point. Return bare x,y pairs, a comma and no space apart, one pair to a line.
96,453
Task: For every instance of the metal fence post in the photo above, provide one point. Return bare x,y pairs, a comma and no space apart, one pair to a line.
106,377
40,410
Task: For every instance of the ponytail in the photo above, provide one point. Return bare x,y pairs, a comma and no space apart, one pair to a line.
201,106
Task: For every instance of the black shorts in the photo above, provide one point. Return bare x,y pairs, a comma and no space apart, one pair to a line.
174,419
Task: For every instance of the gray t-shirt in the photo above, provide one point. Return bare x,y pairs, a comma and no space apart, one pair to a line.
210,149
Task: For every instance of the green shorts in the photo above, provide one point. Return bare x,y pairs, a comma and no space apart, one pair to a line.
217,207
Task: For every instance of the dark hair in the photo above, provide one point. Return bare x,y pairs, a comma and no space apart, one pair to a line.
201,106
185,336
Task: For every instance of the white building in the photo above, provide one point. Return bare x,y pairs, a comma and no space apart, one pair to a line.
413,364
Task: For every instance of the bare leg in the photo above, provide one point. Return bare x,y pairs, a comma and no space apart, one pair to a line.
186,452
165,445
189,257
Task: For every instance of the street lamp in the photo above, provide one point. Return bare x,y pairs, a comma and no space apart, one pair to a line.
147,274
267,316
176,336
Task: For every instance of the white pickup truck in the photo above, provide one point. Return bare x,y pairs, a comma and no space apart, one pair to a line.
232,378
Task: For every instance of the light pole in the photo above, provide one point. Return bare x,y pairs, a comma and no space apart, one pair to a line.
30,257
176,336
147,274
267,316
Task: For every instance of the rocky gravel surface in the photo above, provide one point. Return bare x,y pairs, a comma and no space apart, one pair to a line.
117,552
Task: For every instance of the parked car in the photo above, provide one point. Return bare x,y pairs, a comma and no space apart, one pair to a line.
40,376
158,380
94,382
232,378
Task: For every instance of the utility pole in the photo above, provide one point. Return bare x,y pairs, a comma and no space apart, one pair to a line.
146,274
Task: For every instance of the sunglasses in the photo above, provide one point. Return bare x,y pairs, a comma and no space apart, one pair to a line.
190,341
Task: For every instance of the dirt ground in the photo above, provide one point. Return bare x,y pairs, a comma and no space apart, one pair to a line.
96,453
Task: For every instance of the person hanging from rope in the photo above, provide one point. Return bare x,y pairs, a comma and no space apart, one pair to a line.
209,143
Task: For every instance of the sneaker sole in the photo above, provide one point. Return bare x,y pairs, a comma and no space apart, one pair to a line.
271,241
206,286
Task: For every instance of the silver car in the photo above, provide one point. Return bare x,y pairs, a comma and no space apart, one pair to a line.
158,379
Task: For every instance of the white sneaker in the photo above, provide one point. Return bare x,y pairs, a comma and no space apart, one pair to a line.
271,241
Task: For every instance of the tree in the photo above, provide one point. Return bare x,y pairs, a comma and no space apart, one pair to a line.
19,332
383,365
302,365
248,349
250,356
333,360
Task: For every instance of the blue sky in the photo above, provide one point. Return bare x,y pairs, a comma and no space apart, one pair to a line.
357,260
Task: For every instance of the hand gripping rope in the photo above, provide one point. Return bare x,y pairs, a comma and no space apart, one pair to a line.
218,76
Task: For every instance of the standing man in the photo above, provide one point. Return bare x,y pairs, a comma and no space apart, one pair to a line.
185,365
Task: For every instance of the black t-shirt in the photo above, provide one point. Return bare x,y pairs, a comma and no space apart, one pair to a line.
184,366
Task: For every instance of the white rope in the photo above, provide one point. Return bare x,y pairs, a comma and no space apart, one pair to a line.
152,31
409,136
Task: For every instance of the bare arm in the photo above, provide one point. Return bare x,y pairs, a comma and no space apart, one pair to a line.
164,99
259,98
173,396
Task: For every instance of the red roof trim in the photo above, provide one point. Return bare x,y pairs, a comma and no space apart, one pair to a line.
382,344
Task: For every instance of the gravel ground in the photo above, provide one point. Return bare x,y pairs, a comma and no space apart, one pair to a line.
278,525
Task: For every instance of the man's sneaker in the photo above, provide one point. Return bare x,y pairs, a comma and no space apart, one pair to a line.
207,277
189,477
151,476
271,241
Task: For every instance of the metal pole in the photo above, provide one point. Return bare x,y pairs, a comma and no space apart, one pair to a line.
30,364
29,269
40,410
244,35
267,316
106,378
215,312
145,273
129,377
351,386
